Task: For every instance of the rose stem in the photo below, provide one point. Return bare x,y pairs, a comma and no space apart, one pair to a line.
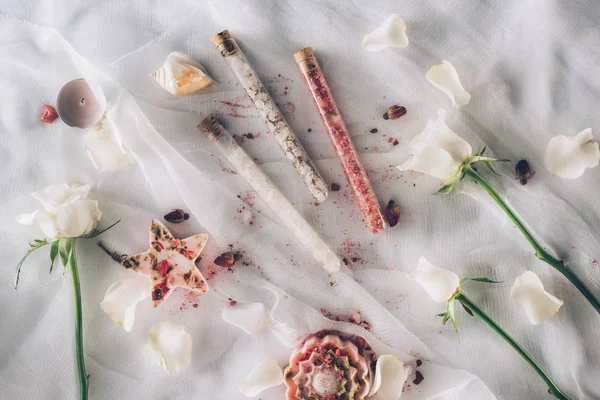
553,389
541,253
83,377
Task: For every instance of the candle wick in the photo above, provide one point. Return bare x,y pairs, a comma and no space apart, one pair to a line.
82,100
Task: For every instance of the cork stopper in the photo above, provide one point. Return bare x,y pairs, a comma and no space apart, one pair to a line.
225,43
211,128
303,55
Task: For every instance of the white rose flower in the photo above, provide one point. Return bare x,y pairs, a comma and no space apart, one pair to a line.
439,283
528,292
437,151
569,156
444,77
67,211
391,34
169,346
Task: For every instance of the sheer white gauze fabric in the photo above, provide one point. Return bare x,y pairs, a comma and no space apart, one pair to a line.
509,58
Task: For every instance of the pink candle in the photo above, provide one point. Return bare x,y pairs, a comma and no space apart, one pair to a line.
330,115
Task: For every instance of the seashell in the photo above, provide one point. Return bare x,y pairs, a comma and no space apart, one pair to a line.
181,74
391,34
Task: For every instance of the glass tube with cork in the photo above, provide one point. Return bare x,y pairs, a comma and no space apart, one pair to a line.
342,142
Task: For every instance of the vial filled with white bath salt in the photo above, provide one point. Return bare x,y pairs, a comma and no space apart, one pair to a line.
271,115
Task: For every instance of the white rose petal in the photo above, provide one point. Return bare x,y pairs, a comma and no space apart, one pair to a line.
528,292
444,77
437,151
391,34
122,297
265,375
390,376
169,346
569,156
105,149
439,283
68,211
251,317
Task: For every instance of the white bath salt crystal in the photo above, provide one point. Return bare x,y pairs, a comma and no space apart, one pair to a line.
266,374
247,217
250,317
444,77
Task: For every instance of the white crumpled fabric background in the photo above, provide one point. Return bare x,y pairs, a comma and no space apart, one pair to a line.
529,67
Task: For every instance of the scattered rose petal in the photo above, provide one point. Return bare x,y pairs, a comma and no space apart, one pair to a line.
266,374
105,149
251,317
169,346
528,292
444,77
437,151
122,297
569,156
390,376
439,283
49,114
391,34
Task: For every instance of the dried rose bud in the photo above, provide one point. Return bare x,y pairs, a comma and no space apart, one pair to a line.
392,213
335,187
523,172
49,114
177,216
227,260
394,112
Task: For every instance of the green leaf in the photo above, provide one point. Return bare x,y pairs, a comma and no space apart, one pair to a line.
97,231
491,167
64,250
450,183
483,279
32,247
446,188
53,253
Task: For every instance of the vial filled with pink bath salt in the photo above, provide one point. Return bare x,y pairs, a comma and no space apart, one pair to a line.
342,142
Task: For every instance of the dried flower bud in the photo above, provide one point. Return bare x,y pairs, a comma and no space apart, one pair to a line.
335,187
392,213
177,216
49,114
523,172
227,260
394,112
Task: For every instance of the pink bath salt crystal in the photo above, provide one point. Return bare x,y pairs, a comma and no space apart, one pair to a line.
347,154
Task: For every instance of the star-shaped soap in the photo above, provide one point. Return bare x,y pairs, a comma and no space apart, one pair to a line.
169,262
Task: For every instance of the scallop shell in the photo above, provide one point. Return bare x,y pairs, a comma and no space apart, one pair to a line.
181,74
